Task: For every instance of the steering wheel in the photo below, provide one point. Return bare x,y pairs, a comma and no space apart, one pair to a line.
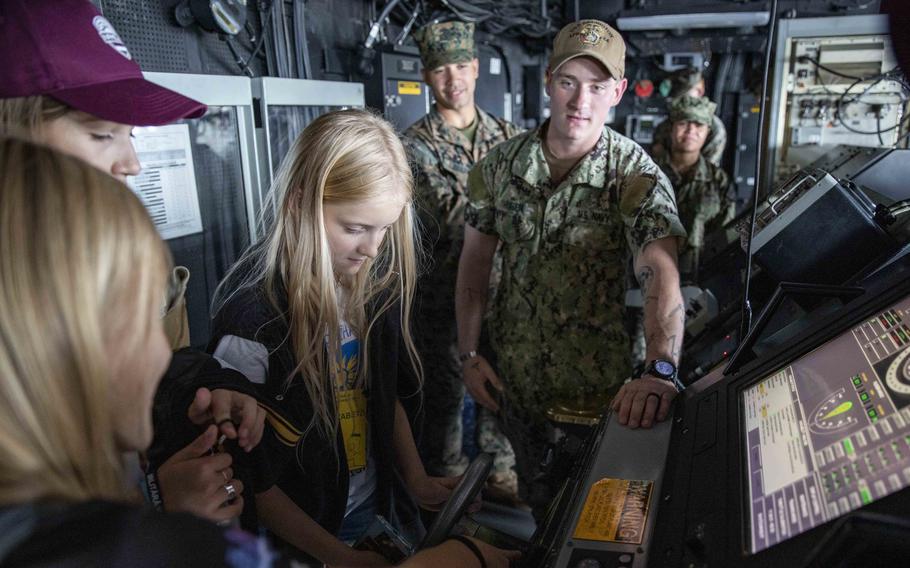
471,483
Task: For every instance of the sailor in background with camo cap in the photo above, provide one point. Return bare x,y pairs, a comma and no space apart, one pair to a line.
444,145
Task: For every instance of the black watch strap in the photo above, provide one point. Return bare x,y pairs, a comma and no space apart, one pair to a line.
666,370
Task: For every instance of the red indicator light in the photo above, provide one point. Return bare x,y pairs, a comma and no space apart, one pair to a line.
644,88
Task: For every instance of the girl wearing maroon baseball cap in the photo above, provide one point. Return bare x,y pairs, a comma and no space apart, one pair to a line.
67,77
68,81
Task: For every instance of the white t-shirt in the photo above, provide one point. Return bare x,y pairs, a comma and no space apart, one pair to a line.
252,359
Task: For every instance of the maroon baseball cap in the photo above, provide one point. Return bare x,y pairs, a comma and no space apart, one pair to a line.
67,50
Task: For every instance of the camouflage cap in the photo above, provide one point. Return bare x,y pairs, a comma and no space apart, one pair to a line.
693,109
448,42
683,80
591,38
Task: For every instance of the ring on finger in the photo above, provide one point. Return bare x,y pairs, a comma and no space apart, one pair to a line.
231,491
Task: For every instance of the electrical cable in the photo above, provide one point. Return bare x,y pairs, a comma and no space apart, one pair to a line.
746,315
841,103
526,18
410,24
265,26
462,15
819,65
365,52
892,74
237,59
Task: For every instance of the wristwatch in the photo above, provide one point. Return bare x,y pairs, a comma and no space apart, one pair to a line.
666,370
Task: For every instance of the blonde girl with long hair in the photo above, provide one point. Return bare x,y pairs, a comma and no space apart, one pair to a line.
318,313
82,279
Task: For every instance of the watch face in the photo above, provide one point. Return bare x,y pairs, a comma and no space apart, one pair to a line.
665,368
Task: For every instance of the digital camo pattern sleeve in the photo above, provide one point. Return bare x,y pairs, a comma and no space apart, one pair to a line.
480,212
727,202
437,203
646,200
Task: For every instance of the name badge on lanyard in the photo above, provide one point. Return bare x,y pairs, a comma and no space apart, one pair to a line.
352,411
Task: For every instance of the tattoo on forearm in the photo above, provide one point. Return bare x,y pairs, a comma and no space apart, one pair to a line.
679,310
666,333
675,347
645,277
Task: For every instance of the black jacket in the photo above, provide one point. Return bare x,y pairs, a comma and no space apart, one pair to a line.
308,472
188,371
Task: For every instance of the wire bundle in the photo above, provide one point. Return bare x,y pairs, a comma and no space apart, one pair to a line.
842,100
512,18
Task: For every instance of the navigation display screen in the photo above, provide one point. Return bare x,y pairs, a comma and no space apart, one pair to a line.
830,432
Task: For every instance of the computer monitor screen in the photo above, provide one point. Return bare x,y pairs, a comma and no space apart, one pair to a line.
830,432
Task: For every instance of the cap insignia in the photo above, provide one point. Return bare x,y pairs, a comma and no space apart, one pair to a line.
590,34
110,36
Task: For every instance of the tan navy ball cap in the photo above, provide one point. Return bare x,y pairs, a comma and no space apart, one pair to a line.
591,38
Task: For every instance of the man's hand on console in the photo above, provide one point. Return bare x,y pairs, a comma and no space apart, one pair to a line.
640,401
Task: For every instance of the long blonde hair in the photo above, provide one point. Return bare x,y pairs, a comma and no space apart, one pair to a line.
81,268
342,156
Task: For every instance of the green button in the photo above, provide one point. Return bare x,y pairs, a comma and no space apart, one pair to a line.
865,495
873,413
857,380
864,397
848,446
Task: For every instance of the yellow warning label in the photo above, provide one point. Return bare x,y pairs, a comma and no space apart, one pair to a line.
615,510
755,110
408,88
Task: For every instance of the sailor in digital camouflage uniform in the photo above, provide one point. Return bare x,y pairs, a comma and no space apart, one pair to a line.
702,188
690,82
570,203
443,146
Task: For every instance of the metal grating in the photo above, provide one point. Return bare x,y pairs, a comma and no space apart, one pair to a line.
159,44
156,43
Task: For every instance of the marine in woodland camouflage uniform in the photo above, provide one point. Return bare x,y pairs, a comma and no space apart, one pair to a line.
556,325
702,193
443,156
683,82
